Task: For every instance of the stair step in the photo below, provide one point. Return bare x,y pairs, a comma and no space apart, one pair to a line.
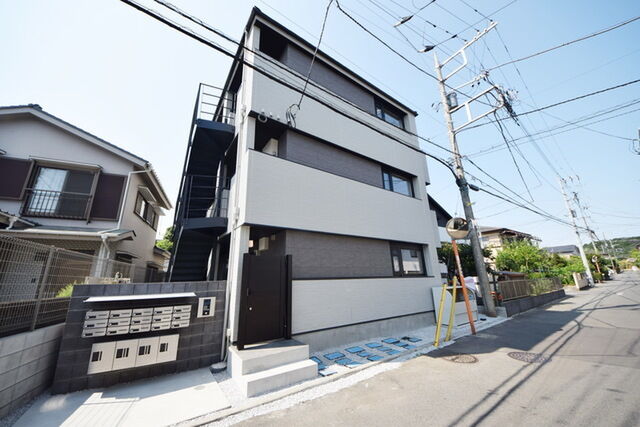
278,377
266,356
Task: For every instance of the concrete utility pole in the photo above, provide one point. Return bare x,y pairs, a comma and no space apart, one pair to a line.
572,215
449,104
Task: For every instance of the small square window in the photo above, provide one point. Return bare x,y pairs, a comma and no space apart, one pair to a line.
96,356
164,347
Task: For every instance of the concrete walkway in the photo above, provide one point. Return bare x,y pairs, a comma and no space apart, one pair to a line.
152,402
584,370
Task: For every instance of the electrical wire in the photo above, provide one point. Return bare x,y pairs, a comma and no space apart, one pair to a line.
291,115
588,36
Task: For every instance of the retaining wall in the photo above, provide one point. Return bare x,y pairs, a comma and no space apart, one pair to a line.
519,305
27,365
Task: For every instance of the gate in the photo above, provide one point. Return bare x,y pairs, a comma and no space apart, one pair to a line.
265,299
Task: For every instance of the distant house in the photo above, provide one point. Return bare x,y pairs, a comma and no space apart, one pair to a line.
495,238
63,186
441,218
565,251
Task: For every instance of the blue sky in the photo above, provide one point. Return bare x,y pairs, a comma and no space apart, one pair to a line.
107,68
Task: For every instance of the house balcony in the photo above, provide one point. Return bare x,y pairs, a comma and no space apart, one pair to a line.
56,204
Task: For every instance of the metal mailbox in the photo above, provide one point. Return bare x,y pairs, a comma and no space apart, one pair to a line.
125,354
123,321
120,313
135,329
179,323
101,358
167,348
93,332
137,312
162,310
161,318
102,323
181,316
160,326
181,309
140,320
118,330
96,315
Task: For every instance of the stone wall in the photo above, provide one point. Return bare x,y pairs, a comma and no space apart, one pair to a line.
519,305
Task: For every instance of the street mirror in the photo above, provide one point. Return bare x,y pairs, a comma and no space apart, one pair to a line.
457,228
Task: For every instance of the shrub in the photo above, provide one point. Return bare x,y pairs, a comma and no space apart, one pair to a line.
66,291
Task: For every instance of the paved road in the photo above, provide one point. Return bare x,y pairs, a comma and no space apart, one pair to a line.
592,376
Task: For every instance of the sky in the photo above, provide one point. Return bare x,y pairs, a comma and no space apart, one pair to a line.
132,81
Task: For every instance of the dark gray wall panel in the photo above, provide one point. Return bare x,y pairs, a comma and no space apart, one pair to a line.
317,255
328,78
307,151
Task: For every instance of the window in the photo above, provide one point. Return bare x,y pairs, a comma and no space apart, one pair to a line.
389,114
143,350
164,347
96,356
61,193
397,183
145,211
407,260
122,353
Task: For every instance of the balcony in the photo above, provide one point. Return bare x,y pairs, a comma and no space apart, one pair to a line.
56,204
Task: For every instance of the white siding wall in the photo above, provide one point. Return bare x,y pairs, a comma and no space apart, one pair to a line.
320,304
286,194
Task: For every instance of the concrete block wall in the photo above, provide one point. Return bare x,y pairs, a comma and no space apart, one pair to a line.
27,365
199,344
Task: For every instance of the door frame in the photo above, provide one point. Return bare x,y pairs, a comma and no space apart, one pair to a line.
286,292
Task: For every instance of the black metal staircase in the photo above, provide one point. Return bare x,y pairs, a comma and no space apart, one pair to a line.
201,209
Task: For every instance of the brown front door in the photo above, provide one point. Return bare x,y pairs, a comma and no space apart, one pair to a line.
265,299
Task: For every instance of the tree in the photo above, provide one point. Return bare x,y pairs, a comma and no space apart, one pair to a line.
445,256
167,240
521,256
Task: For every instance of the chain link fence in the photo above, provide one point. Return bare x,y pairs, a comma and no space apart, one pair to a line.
36,281
513,289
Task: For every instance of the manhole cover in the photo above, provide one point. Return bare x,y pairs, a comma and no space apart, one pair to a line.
461,358
523,356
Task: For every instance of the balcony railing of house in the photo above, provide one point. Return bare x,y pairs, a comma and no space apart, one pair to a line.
215,104
56,204
205,196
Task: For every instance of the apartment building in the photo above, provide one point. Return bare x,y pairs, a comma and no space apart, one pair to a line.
316,222
65,187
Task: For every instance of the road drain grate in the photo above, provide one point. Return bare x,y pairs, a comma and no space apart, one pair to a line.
524,356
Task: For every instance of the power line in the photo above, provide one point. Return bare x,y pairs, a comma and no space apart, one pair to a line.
597,33
566,101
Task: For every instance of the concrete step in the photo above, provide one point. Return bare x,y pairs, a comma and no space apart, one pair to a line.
278,377
266,356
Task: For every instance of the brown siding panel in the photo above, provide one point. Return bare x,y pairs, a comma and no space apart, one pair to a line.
107,198
13,175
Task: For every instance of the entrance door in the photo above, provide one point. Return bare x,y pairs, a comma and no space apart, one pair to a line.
265,299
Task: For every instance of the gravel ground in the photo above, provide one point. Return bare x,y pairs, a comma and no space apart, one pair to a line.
341,382
13,416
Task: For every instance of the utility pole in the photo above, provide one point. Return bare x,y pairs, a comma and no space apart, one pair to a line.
572,215
449,104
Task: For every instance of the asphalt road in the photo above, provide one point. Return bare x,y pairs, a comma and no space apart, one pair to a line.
588,374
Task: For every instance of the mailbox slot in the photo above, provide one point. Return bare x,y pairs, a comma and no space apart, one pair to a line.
147,351
102,323
136,329
161,318
116,314
142,320
118,330
136,312
167,348
162,310
181,309
180,323
125,321
93,332
96,315
181,316
160,326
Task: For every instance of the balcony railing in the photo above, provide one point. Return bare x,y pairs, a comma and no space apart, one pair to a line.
214,104
206,196
56,204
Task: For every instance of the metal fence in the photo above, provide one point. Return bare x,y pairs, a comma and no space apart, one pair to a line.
36,281
513,289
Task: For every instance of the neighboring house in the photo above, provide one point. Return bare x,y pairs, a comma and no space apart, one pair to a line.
565,251
345,200
495,238
62,186
441,216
